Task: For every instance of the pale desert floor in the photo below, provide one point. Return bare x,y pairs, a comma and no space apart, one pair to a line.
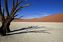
47,32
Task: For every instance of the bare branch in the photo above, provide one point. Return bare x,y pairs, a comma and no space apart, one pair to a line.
3,12
20,17
13,3
2,15
17,2
21,8
16,15
0,6
15,6
26,5
0,9
18,10
6,7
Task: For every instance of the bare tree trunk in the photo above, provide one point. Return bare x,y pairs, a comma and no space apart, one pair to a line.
9,20
5,27
8,27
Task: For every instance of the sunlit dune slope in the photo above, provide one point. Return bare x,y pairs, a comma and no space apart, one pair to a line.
50,18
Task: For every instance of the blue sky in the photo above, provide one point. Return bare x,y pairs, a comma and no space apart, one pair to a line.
41,8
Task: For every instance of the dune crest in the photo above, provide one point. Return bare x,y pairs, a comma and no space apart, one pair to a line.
50,18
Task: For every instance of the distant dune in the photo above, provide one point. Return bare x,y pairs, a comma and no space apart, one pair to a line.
50,18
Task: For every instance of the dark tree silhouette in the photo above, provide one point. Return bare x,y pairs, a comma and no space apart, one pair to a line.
10,15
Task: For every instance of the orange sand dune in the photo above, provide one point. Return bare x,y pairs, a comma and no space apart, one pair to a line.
51,18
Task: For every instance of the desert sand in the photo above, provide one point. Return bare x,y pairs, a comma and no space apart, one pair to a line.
48,32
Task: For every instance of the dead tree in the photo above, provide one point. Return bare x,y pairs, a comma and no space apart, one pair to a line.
6,20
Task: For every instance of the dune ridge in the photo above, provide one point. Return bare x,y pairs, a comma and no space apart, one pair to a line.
50,18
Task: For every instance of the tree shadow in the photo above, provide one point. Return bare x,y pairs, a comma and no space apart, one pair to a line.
34,27
22,32
39,31
21,29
